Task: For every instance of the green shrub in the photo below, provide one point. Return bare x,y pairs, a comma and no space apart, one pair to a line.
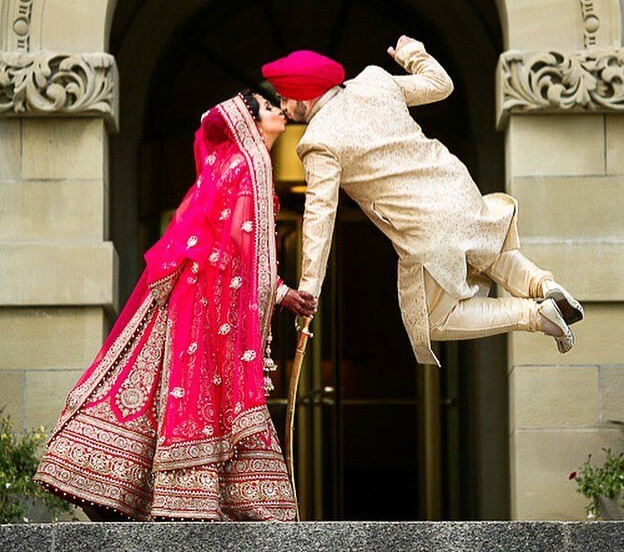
606,480
19,459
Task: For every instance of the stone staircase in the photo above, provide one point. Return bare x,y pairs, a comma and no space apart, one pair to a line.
339,536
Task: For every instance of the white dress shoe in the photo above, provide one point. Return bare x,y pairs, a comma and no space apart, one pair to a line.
549,310
571,310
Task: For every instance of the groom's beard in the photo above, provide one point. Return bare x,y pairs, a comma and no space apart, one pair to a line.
299,112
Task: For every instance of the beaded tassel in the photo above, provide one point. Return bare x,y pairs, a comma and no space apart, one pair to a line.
269,366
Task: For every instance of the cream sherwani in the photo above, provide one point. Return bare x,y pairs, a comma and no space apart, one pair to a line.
363,139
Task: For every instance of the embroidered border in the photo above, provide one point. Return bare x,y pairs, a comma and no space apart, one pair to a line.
104,463
123,345
161,289
216,449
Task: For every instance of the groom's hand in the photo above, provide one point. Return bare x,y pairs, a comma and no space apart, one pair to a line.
403,40
300,302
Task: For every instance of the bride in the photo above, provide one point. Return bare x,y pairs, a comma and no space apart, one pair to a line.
170,420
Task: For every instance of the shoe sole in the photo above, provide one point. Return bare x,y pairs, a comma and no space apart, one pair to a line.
564,343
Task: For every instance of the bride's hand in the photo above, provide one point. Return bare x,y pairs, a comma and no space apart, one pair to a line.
403,40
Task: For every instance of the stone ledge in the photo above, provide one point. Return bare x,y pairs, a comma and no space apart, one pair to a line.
273,537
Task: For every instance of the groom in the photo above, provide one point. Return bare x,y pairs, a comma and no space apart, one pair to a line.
452,242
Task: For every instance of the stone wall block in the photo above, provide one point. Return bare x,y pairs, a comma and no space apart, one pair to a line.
12,395
570,207
592,271
598,341
75,26
52,211
38,274
45,395
542,461
612,393
615,144
64,149
54,338
609,31
554,397
10,146
542,145
539,25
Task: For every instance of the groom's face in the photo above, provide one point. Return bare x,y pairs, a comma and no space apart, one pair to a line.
295,110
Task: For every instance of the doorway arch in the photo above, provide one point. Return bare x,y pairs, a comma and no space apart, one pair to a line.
177,59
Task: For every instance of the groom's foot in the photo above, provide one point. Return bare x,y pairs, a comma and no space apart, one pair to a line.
550,328
571,310
555,326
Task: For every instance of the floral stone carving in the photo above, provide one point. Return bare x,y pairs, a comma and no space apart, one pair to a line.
591,81
49,83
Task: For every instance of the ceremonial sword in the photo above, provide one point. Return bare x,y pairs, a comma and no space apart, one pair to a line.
302,341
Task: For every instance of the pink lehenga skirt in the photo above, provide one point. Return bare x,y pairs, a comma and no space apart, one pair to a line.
95,458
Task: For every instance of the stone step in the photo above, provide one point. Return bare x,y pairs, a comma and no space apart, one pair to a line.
273,537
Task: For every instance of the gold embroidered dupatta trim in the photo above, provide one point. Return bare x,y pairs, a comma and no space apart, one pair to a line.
254,149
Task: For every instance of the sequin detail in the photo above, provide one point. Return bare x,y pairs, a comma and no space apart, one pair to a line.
225,329
177,392
248,355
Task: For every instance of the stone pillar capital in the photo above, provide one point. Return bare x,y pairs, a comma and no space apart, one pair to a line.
588,81
47,84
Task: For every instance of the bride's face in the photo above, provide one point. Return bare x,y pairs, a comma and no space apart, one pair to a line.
272,118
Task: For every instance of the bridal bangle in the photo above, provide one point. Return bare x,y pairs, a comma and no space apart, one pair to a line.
282,290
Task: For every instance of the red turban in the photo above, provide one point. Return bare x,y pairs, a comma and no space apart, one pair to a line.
303,75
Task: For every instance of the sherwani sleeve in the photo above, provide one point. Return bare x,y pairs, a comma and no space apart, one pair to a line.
428,82
323,180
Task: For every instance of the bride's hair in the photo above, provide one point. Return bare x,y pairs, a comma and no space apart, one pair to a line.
252,103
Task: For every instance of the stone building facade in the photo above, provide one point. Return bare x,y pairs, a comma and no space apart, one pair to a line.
66,155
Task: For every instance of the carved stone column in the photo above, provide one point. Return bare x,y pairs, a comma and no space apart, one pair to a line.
561,111
58,269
